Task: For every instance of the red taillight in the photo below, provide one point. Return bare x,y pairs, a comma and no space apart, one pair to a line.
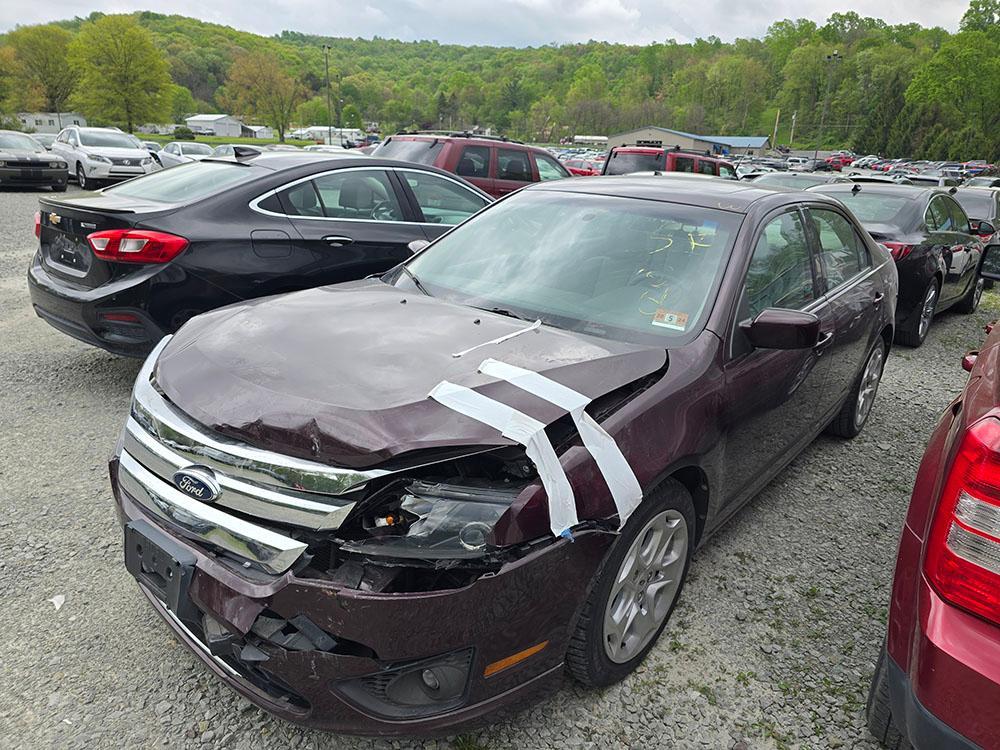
898,250
984,237
136,245
963,549
38,224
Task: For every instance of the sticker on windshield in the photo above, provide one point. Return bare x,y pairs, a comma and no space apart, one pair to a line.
668,319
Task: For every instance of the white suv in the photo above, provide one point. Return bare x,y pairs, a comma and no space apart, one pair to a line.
96,155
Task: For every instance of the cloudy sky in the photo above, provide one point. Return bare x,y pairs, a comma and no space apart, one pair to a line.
503,22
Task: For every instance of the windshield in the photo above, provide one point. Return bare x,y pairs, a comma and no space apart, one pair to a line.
983,182
421,151
626,163
620,268
978,205
107,139
19,142
196,149
185,183
796,181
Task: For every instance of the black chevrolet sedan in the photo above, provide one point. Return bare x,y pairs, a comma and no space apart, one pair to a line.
120,268
24,162
929,236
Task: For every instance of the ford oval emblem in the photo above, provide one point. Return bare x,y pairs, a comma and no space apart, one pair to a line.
197,481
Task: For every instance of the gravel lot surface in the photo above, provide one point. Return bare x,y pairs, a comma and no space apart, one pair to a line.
771,646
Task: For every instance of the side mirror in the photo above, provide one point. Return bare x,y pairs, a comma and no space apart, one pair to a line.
416,246
990,266
983,228
776,328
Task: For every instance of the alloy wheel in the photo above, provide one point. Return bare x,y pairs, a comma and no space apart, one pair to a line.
869,385
977,295
80,177
646,585
927,311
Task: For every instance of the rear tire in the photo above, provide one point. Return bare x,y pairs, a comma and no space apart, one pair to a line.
647,564
853,415
970,302
878,712
914,332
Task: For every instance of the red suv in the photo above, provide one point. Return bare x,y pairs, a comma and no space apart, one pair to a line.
629,159
495,165
937,682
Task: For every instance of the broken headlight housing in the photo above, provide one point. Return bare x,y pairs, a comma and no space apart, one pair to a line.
433,520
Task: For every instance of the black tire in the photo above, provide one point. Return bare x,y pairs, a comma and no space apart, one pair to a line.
911,333
586,658
81,178
847,424
878,712
59,188
970,302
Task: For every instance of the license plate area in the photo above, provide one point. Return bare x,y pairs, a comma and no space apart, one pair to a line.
160,564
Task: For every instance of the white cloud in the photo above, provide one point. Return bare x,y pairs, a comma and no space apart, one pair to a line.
505,22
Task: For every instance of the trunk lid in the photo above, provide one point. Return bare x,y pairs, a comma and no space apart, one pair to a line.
342,374
65,224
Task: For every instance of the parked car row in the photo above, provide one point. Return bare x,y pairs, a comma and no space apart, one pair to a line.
401,454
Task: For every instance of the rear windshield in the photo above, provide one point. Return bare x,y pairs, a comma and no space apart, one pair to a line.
185,183
627,163
795,181
196,148
421,151
977,205
874,208
107,140
19,142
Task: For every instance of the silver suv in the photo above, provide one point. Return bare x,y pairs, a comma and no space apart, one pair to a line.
95,155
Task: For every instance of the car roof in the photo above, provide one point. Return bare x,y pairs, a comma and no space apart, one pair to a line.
727,195
912,192
474,139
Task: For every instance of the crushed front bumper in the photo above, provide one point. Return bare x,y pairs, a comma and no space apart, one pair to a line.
464,632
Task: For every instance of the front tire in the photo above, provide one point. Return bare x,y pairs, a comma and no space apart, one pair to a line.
635,589
915,330
857,408
81,178
970,302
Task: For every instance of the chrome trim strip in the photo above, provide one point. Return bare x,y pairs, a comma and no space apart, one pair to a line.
255,203
271,551
182,435
854,281
286,506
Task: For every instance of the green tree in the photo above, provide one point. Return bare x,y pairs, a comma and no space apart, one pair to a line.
259,85
982,15
314,112
351,117
123,76
42,63
182,103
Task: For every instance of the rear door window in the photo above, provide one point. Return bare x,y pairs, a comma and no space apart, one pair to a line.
442,201
683,164
513,165
474,162
843,253
357,194
937,216
959,221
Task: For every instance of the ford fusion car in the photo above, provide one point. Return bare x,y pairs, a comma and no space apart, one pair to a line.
394,505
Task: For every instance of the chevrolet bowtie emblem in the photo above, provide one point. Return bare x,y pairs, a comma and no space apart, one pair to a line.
54,218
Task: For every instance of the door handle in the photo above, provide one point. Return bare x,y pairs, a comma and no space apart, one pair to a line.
877,300
334,240
825,340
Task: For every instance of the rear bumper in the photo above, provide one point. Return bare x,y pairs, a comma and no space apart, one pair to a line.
31,177
77,313
532,600
922,728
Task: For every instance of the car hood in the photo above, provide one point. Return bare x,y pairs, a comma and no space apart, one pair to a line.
116,153
342,374
23,153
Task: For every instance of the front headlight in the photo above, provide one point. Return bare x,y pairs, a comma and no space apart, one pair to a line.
99,158
435,521
147,161
3,163
57,165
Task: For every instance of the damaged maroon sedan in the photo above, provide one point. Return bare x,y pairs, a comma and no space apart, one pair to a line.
396,505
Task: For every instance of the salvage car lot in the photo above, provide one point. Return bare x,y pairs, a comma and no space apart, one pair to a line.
772,643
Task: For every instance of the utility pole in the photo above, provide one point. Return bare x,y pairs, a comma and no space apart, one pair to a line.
830,59
774,138
329,109
791,136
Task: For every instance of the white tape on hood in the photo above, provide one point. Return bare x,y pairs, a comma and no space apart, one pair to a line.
625,489
527,431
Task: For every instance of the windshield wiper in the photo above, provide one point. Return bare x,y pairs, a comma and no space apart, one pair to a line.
505,312
415,280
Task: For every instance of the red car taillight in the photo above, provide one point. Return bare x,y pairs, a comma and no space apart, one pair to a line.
963,549
136,245
38,224
898,250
